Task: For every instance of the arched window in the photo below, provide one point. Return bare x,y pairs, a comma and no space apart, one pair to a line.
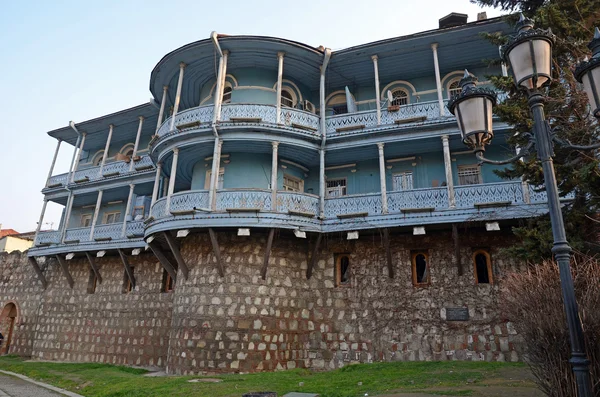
128,152
338,104
227,93
482,265
400,97
420,268
342,270
287,98
454,88
97,159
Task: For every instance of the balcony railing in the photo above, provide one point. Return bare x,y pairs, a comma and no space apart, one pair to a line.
297,202
244,199
469,195
358,203
110,170
108,232
418,198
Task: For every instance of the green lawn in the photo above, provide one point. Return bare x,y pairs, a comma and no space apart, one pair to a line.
447,378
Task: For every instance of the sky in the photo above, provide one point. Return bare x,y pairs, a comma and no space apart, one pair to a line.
76,60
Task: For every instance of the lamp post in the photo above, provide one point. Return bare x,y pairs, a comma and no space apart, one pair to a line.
529,54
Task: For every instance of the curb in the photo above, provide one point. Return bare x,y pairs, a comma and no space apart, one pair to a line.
44,385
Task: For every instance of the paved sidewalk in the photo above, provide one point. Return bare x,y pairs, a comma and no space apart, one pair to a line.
12,386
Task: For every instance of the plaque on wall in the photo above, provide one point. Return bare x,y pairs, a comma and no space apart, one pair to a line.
457,314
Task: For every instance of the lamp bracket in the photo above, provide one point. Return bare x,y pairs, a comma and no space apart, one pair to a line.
566,143
526,151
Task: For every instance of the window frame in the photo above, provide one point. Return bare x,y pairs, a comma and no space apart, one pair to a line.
293,178
208,176
345,179
465,166
338,270
488,259
457,89
413,261
227,85
89,216
292,97
107,214
403,173
97,158
406,96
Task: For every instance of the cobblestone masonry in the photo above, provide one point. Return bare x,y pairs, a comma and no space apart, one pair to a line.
244,323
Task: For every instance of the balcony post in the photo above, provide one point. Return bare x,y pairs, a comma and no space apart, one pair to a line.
172,178
524,183
105,155
322,182
53,163
161,112
96,211
177,95
448,169
217,97
127,210
438,81
274,177
280,56
377,102
384,204
223,79
73,159
67,217
503,64
75,166
137,143
41,220
156,186
214,174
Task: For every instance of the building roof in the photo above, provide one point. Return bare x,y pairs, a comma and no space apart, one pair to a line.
7,232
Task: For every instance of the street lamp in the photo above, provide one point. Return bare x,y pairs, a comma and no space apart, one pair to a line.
529,54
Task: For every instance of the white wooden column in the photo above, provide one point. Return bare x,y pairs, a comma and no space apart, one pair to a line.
438,81
53,163
223,77
448,169
322,182
161,112
172,178
106,147
73,158
137,143
217,96
274,176
127,216
214,175
280,56
67,216
78,157
41,220
177,95
377,95
96,211
384,205
156,186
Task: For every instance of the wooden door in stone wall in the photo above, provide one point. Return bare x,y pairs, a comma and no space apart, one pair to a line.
7,324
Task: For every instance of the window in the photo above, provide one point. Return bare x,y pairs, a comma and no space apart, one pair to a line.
482,264
138,211
402,181
227,94
454,89
342,270
340,109
168,284
97,159
420,268
128,152
112,217
220,179
127,286
399,97
292,184
338,104
336,187
86,220
469,174
287,99
92,282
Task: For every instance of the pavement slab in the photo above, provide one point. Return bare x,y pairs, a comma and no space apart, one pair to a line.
16,385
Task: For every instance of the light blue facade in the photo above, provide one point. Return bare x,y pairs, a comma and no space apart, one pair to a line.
315,150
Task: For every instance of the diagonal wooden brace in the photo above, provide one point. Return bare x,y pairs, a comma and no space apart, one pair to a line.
216,251
176,253
65,270
313,258
127,268
263,271
38,271
164,261
94,267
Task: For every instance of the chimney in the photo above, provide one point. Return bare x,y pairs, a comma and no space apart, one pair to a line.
482,16
452,20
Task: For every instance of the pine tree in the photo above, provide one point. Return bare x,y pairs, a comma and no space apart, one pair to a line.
567,110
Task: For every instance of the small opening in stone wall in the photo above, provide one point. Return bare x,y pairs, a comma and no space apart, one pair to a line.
92,282
342,270
167,282
127,286
482,265
420,268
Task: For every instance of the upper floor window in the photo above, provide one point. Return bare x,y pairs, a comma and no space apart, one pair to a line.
482,264
400,97
220,179
292,184
97,159
338,104
112,217
86,220
469,174
287,98
454,89
336,187
420,268
402,180
227,93
342,270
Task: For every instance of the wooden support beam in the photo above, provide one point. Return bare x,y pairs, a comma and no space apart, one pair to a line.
94,267
177,254
38,271
313,258
263,271
164,261
457,248
65,270
388,252
127,268
216,251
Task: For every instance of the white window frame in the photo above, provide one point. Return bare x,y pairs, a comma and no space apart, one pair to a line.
220,179
451,91
114,215
85,217
465,167
407,97
294,179
405,181
227,85
292,95
343,189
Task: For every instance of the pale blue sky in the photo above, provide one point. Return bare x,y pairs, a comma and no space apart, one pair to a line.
76,60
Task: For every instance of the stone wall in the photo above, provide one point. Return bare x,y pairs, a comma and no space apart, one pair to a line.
244,323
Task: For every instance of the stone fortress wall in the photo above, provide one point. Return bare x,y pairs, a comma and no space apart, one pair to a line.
244,323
